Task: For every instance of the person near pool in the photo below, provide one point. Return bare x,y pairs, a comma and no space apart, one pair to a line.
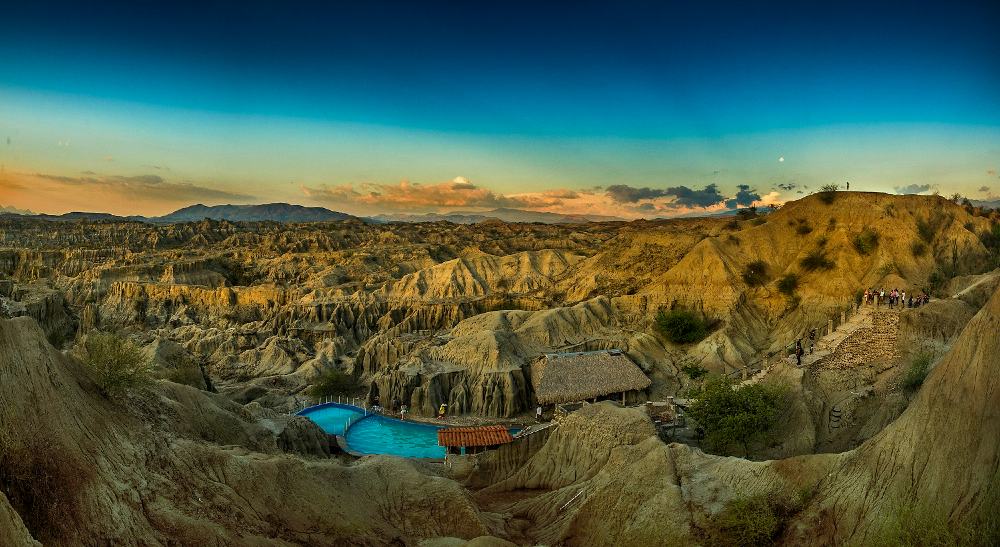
442,410
402,412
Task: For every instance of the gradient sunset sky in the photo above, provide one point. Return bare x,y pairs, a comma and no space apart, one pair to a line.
618,108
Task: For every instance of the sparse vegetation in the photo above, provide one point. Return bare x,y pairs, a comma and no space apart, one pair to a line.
886,269
828,193
333,382
921,523
682,326
917,373
116,364
816,260
866,242
694,371
788,284
756,273
746,213
732,225
758,221
748,521
803,229
731,416
918,248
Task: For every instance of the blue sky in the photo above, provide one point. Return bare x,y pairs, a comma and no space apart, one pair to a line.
339,104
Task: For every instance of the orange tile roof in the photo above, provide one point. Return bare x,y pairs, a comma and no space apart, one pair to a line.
474,436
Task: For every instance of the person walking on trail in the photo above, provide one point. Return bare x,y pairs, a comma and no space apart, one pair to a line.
798,352
442,410
538,414
812,340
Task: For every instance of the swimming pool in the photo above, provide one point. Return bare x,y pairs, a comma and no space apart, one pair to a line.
382,435
331,417
378,434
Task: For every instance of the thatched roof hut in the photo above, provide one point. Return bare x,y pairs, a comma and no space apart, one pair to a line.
570,377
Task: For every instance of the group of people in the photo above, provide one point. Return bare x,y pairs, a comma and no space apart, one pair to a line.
894,298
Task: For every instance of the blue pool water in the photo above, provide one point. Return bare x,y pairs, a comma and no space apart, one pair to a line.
331,417
377,434
382,435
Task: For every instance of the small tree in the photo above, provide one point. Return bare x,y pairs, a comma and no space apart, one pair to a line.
756,273
333,382
866,241
816,260
732,415
828,193
682,326
788,284
116,364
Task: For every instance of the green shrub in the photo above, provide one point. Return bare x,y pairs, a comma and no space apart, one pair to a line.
731,416
694,371
828,193
746,521
816,260
917,372
682,326
788,284
918,248
333,382
866,241
756,273
116,364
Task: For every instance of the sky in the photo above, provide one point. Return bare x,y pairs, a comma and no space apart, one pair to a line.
631,109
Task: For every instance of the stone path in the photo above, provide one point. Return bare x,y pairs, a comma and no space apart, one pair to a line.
868,335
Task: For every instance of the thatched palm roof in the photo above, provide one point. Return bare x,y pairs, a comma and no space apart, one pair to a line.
569,377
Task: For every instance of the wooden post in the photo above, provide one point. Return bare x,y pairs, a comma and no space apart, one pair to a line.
843,317
829,326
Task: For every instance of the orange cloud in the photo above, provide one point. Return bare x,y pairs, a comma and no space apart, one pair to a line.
118,194
618,200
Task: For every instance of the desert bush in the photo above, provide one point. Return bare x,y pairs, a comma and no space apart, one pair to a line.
890,210
747,213
918,248
732,225
822,241
116,364
758,221
731,415
917,373
694,371
746,521
788,284
756,273
333,382
733,239
803,229
828,193
866,241
682,326
886,269
922,523
816,260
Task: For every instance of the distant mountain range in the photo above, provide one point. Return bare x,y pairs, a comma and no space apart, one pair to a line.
277,212
284,212
506,215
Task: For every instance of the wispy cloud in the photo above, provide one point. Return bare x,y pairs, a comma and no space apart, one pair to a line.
152,187
913,189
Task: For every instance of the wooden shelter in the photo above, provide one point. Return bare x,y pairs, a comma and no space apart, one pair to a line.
589,375
473,439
